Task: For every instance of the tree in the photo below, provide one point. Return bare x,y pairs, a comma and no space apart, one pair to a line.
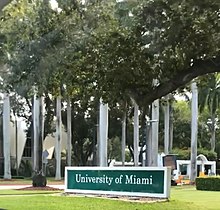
160,42
111,48
209,98
123,46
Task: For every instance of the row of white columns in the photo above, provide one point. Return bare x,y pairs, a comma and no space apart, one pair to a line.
153,144
103,134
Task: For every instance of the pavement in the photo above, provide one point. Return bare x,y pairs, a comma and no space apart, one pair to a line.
15,187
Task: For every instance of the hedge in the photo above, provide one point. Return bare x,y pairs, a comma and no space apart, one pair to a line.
208,183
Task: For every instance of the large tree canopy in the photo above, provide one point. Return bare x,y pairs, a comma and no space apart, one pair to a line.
172,42
115,48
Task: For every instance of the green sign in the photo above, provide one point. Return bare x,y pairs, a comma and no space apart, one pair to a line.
138,181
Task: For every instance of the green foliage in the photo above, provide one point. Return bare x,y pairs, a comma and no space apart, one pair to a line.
25,168
181,154
208,183
127,156
114,48
114,149
212,156
184,154
182,126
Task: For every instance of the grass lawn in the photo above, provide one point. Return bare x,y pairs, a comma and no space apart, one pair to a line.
49,202
182,198
205,199
27,181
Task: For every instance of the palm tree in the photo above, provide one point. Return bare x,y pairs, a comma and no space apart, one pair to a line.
209,94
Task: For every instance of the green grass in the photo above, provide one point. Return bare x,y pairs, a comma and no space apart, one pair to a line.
27,192
39,202
182,198
15,181
27,181
205,199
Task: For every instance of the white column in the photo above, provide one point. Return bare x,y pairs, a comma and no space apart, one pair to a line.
148,143
58,139
194,132
155,129
41,133
171,130
123,138
136,134
166,126
69,133
103,132
36,122
6,137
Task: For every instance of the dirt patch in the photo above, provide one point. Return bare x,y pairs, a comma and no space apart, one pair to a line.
46,188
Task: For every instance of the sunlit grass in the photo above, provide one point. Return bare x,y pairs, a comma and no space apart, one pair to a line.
184,197
48,202
205,199
27,181
27,192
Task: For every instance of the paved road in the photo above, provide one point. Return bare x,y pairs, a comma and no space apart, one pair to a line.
7,187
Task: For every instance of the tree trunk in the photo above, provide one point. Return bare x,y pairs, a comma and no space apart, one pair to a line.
166,125
69,133
103,132
16,143
98,137
58,139
6,137
36,133
171,129
136,134
123,138
41,134
148,144
155,127
212,134
38,123
194,131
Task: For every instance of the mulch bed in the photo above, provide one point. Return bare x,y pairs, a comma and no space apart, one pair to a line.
47,188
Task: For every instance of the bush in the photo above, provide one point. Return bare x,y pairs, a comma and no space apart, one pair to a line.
39,180
181,154
208,183
184,154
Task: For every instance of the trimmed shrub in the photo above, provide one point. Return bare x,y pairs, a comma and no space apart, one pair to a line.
39,180
208,183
